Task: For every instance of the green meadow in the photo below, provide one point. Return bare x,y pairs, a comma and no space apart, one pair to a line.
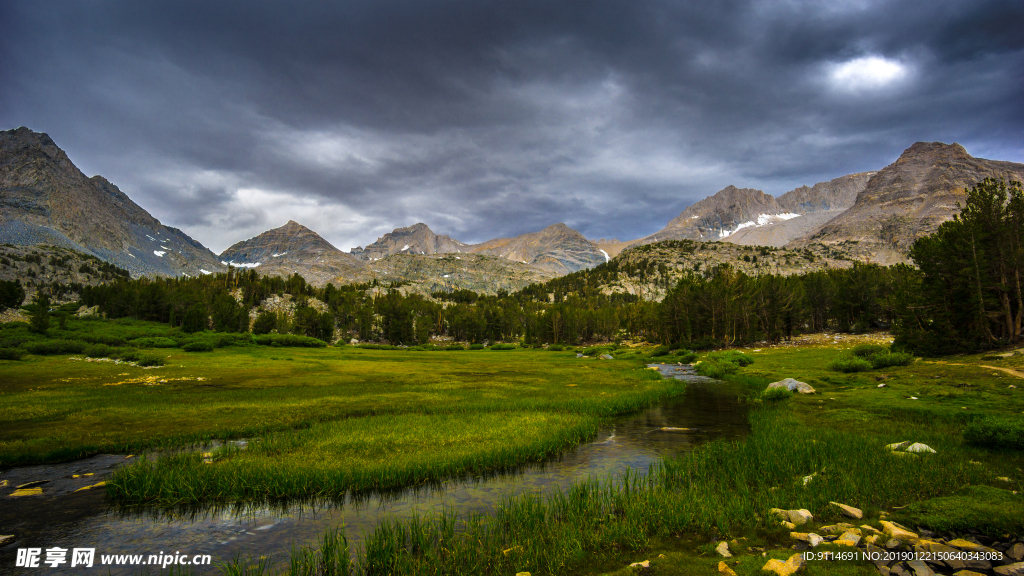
324,421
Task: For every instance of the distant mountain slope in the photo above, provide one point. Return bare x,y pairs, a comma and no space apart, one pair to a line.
415,239
293,248
45,199
651,270
717,216
557,248
908,199
815,205
751,217
449,272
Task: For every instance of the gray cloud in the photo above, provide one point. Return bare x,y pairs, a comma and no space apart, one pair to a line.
495,119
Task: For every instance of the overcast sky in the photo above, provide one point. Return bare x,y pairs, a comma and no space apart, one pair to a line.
487,119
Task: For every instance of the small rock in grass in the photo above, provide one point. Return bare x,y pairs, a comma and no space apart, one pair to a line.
795,563
849,538
606,356
835,529
800,517
899,445
788,525
723,549
724,570
849,511
918,448
897,532
641,565
793,386
869,529
809,537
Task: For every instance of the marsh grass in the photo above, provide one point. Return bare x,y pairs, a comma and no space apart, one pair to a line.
376,453
720,490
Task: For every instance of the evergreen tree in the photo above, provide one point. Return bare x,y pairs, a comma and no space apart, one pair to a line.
40,320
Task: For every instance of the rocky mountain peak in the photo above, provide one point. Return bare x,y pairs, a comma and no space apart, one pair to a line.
45,199
292,248
415,239
910,198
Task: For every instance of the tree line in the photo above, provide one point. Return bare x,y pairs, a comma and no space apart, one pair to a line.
964,294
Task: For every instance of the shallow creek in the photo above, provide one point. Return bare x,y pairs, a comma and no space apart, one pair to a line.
68,519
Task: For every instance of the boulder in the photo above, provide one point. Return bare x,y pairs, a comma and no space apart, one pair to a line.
1010,569
606,356
793,386
723,549
920,568
1016,552
967,573
969,546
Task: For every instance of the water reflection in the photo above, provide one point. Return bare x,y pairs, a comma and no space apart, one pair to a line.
706,411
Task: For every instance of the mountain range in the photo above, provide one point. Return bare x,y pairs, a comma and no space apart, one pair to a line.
868,216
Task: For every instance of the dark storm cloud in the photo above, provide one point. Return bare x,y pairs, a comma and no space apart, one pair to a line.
495,119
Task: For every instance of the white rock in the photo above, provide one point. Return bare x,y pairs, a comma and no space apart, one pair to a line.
723,549
918,448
